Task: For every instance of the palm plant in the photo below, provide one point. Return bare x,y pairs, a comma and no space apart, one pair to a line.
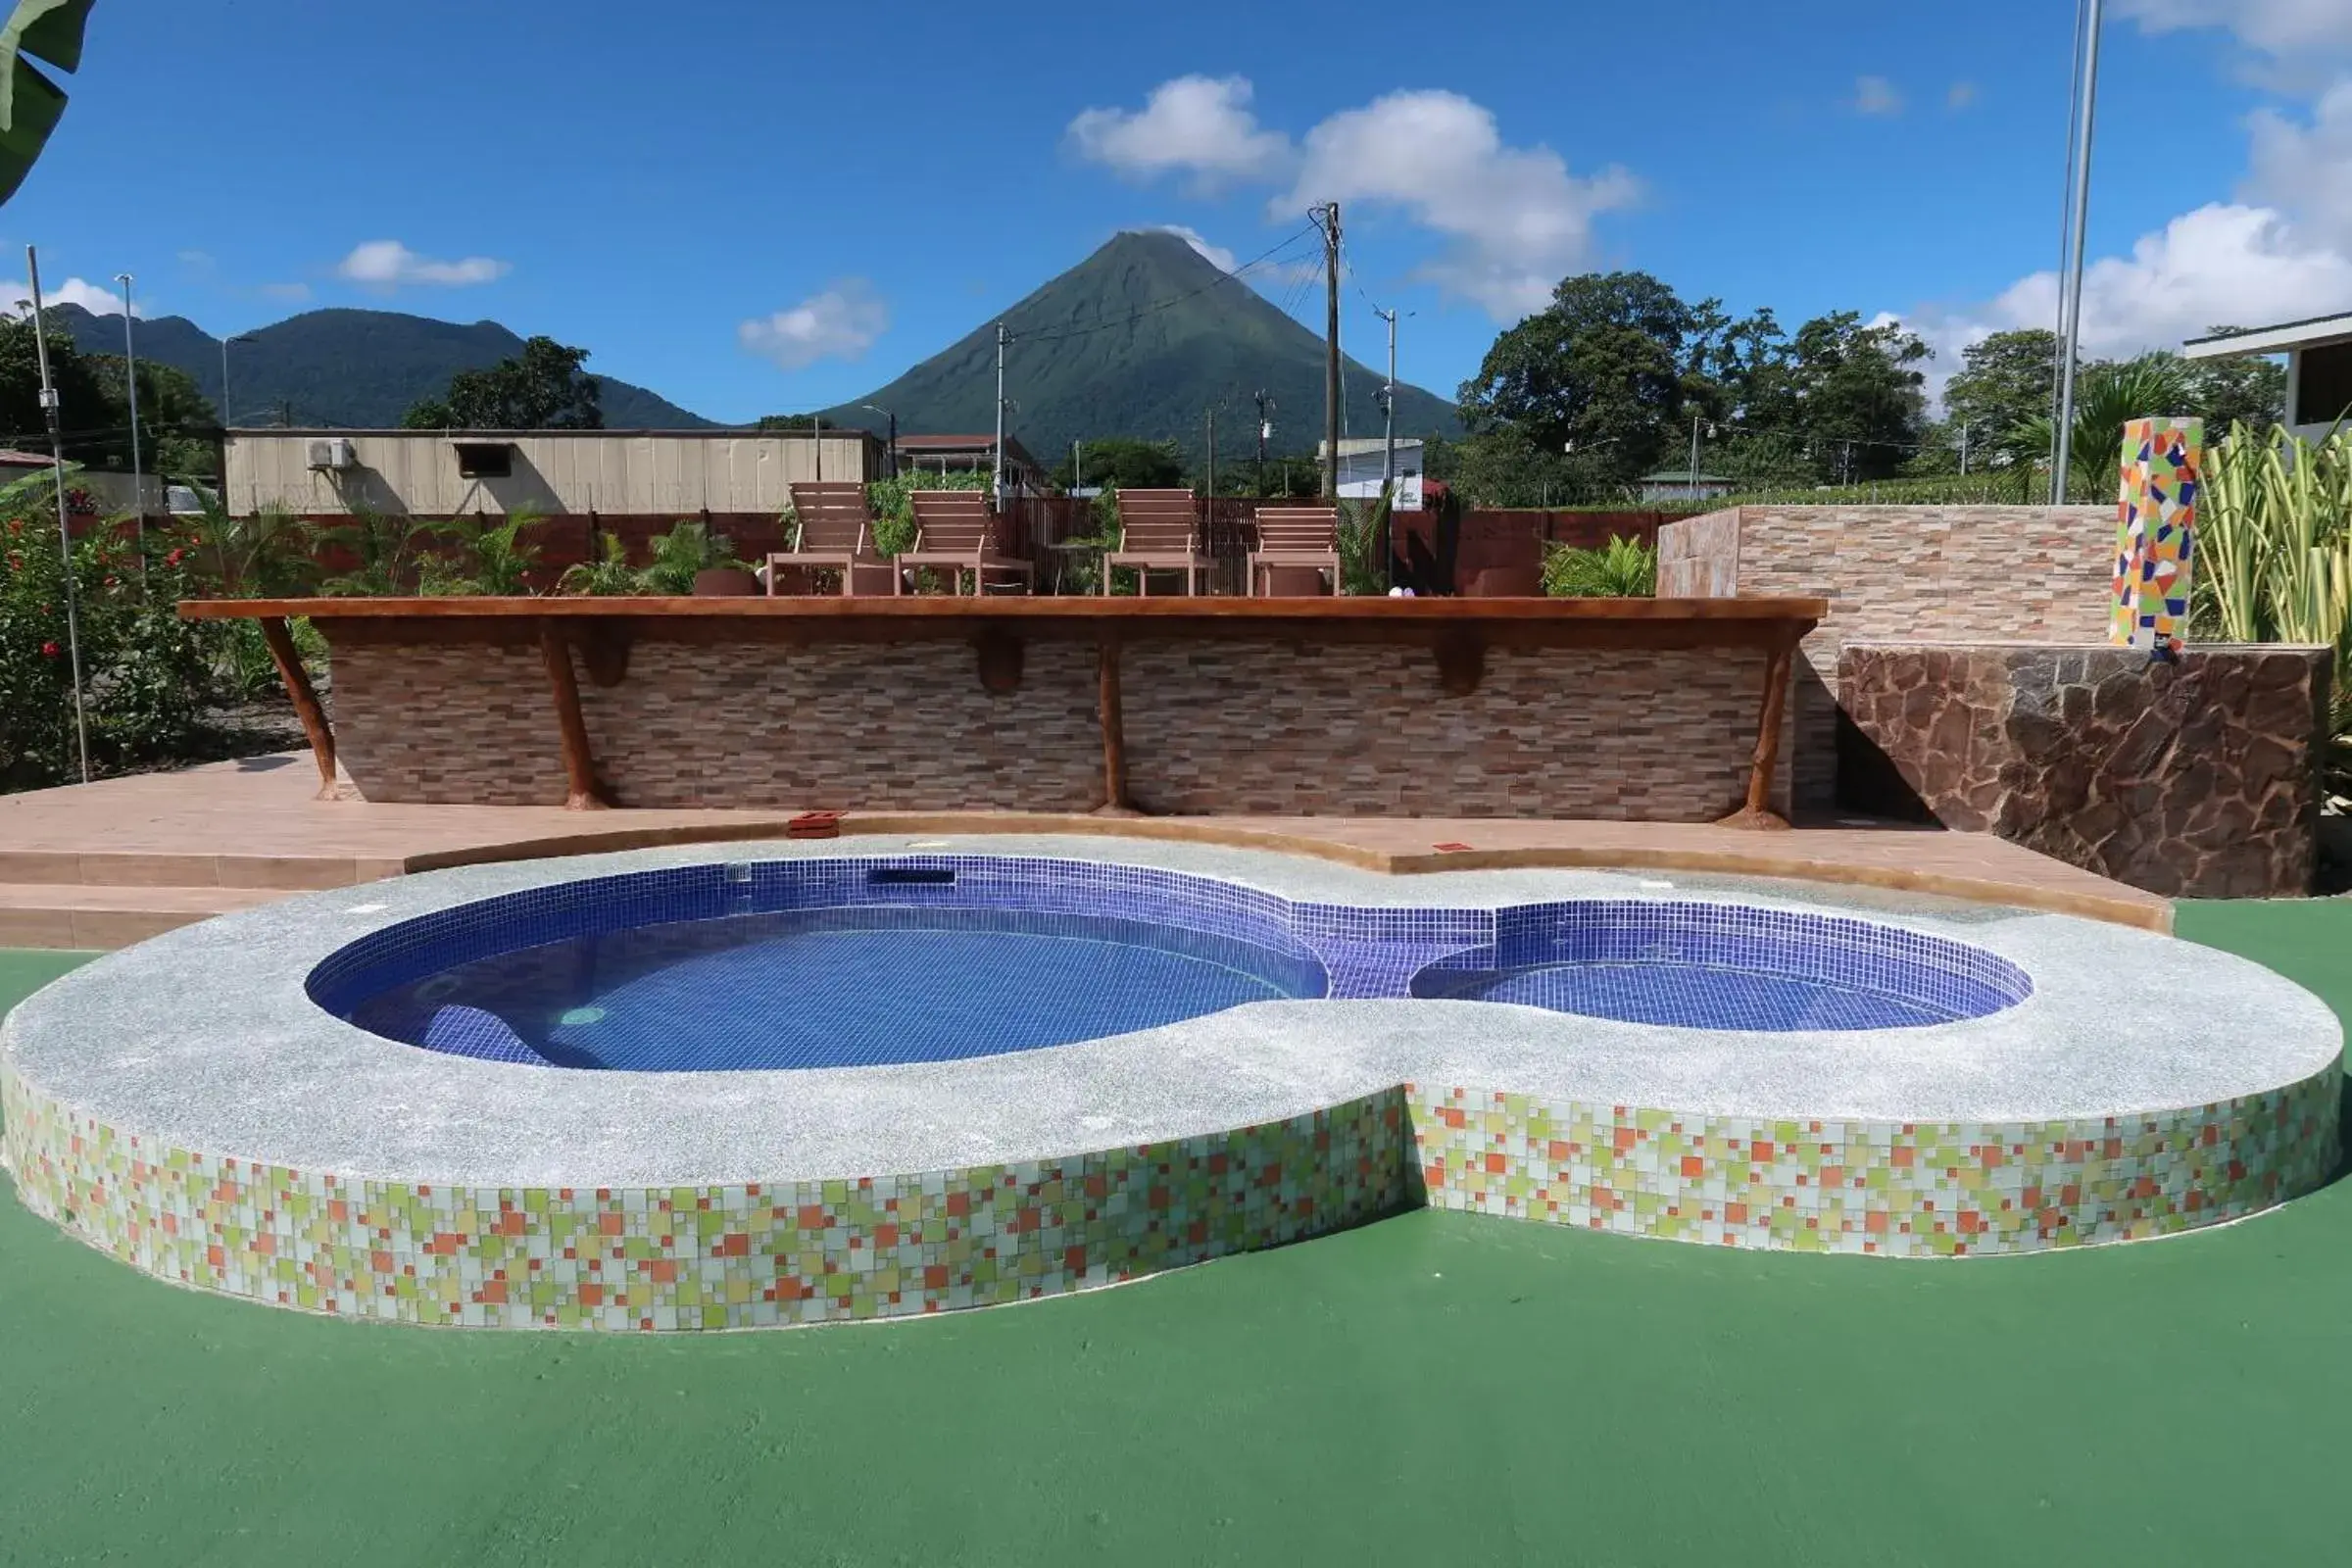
1624,568
1364,535
2107,397
690,547
490,561
384,549
608,575
30,103
268,554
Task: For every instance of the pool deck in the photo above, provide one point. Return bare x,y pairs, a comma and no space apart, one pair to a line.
104,864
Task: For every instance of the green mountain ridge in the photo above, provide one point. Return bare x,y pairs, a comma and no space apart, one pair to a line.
348,368
1143,338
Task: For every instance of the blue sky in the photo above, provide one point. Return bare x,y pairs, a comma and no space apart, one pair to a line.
754,208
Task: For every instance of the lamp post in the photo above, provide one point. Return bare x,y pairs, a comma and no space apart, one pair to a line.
131,375
894,434
65,532
242,337
2079,211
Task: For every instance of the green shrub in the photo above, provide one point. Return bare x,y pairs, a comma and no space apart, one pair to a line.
894,511
1624,568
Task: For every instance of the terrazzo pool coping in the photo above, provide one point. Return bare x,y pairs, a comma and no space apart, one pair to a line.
203,1038
185,1107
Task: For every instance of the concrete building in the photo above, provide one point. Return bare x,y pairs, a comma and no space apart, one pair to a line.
1682,484
970,454
619,474
2319,367
1363,460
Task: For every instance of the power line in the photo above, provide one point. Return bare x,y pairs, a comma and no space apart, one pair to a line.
1158,305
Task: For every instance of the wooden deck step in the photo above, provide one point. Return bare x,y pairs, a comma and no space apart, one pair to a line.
151,869
56,914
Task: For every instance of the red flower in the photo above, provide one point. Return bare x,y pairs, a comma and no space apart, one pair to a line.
109,582
174,558
48,649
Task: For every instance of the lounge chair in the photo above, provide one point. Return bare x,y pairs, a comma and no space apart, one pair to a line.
956,529
1295,536
837,533
1160,532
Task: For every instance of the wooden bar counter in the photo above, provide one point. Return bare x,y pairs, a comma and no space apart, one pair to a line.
1646,710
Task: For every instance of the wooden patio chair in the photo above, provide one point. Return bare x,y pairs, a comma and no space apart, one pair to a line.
837,533
1160,531
956,529
1295,536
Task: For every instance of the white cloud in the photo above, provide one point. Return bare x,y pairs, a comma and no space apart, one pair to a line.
1196,125
1218,255
2306,167
95,298
1876,95
387,263
839,323
1518,220
1960,95
2274,27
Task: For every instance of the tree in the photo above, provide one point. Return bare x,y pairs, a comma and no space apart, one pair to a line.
177,422
786,422
85,399
541,389
2241,390
2005,382
1854,394
1603,368
1125,462
2109,394
30,104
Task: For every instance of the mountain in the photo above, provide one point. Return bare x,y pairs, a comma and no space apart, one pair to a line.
1141,339
345,367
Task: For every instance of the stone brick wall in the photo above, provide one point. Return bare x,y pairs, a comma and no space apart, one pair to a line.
2195,779
1657,735
1982,574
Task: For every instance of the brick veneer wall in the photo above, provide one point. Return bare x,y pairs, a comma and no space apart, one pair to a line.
1657,735
2193,780
1955,573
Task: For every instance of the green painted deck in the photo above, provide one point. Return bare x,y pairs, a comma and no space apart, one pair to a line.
1432,1389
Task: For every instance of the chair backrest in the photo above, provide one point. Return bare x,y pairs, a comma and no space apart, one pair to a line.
1158,522
953,523
833,516
1299,530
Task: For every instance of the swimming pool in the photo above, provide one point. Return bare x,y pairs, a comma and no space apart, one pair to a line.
863,961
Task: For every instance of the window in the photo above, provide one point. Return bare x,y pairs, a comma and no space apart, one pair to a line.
484,459
2323,384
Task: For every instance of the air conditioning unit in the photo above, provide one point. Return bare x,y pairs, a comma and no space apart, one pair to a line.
337,454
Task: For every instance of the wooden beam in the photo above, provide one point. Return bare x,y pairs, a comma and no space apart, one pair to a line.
1757,813
580,792
1114,733
288,660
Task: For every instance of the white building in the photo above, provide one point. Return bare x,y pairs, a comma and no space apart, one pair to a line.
2319,367
1363,463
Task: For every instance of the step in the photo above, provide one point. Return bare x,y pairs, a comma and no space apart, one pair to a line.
125,868
51,915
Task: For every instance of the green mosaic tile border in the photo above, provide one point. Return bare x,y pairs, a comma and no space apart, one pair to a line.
750,1256
701,1257
1900,1190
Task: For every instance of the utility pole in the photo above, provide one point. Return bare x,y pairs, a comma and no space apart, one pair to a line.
65,535
816,444
1265,428
1388,405
1695,457
2070,341
1077,465
1963,449
1330,217
996,482
131,375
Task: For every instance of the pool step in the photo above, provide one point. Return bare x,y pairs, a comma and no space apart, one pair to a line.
58,915
282,874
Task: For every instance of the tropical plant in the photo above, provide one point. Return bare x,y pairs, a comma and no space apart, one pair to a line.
2275,557
2107,397
30,103
606,575
690,547
269,554
1363,532
384,548
492,559
894,508
1623,569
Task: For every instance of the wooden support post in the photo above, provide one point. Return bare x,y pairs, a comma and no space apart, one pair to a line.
580,765
1114,734
298,686
1758,811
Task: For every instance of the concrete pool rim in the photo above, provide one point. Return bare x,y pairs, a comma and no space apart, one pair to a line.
2148,1086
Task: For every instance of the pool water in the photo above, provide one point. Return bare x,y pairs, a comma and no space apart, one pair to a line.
830,988
1690,996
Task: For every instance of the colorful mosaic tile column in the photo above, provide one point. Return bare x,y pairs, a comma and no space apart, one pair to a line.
2155,533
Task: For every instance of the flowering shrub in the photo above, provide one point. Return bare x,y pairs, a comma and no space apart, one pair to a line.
147,675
